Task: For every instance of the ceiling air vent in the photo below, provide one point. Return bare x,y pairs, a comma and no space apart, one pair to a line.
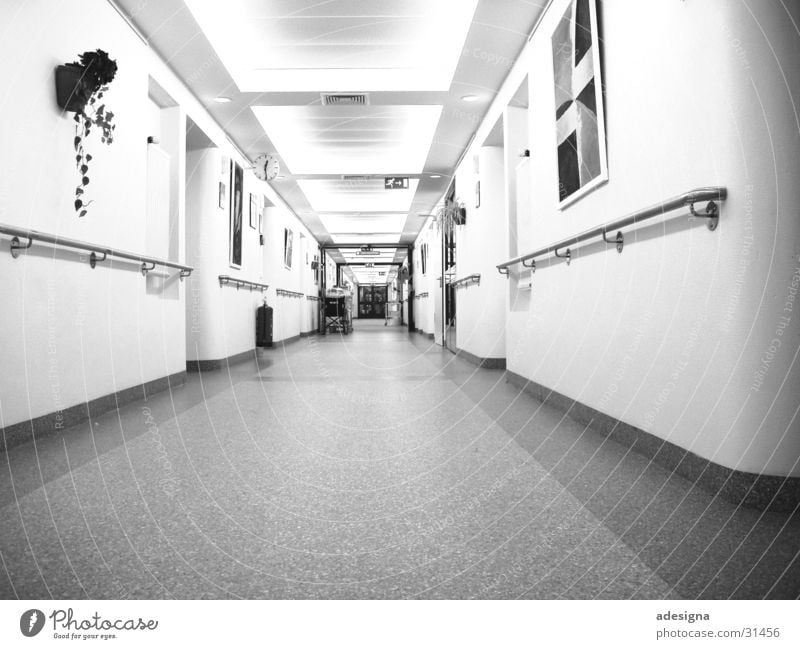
349,99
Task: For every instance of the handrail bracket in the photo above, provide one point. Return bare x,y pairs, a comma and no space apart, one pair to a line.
16,246
711,215
93,258
619,240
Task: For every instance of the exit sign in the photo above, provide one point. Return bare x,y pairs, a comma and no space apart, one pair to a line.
395,183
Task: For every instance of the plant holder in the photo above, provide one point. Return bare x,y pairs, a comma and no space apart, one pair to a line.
71,93
80,87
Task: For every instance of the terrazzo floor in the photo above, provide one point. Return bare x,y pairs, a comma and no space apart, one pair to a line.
374,465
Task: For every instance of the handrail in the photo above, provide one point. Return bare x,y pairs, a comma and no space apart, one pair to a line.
689,198
312,298
148,263
420,295
283,291
469,279
227,279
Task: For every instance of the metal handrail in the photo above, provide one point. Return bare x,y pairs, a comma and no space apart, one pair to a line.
469,279
689,198
312,298
283,291
227,279
148,263
420,295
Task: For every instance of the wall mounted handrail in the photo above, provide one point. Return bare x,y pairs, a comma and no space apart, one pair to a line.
284,292
227,279
687,199
148,263
475,278
420,295
312,298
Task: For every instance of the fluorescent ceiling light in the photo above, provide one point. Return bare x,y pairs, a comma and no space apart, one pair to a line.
336,196
366,238
469,98
351,140
342,46
366,223
222,100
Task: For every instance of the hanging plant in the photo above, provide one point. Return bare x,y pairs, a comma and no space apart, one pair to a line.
80,87
449,215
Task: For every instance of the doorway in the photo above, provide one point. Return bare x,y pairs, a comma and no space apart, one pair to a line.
448,272
372,301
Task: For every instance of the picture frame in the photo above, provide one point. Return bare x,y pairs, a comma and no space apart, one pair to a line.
579,111
287,247
235,239
254,211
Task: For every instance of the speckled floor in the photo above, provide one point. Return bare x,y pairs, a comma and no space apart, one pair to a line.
374,465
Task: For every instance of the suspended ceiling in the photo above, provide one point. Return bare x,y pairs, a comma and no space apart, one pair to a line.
412,62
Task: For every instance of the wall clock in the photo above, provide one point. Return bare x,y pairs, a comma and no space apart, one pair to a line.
266,167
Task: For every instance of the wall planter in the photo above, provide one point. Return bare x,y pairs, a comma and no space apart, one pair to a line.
451,214
80,86
71,95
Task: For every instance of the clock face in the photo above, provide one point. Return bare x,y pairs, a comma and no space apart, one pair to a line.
266,167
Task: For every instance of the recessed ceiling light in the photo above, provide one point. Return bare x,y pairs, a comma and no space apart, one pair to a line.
435,176
469,98
222,100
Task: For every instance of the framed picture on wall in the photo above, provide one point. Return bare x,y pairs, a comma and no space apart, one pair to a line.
261,215
579,114
237,182
253,211
287,247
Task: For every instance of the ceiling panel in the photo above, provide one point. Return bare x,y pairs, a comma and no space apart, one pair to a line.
406,54
353,224
337,195
365,238
370,45
351,140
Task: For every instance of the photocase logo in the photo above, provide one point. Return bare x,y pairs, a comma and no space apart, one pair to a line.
31,622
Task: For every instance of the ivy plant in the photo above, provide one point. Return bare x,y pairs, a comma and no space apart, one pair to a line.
98,71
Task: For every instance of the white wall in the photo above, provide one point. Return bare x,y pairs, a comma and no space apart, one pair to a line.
480,308
69,333
427,282
220,319
681,334
292,316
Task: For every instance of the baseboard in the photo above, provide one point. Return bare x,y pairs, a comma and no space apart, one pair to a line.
288,341
306,334
487,363
764,492
206,365
57,421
